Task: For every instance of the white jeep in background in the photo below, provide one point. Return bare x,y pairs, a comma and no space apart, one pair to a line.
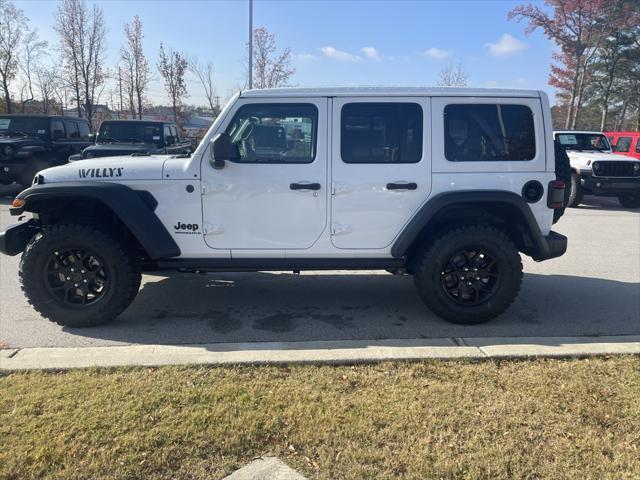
596,170
449,185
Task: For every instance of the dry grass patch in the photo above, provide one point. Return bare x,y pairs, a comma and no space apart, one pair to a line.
441,420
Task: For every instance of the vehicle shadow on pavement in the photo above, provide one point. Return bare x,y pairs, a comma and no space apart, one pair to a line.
590,202
282,307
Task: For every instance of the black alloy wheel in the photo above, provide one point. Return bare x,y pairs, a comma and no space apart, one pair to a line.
470,276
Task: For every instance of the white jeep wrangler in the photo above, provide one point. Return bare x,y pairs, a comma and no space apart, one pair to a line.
596,170
448,185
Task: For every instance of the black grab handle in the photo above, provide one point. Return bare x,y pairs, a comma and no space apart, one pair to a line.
402,186
304,186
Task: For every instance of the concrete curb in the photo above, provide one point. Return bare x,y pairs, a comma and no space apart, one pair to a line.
341,352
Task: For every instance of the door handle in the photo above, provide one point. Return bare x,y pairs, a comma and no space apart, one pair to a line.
304,186
402,186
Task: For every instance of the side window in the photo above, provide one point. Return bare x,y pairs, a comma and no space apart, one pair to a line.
637,144
488,132
84,130
381,133
167,131
174,132
57,129
275,133
623,144
72,129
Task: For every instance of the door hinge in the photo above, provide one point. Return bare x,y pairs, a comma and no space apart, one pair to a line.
340,228
337,189
213,228
207,188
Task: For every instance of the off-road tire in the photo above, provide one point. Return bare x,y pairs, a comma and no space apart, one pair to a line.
430,264
563,173
576,193
630,200
124,277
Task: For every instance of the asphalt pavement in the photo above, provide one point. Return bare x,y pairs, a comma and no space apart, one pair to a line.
593,290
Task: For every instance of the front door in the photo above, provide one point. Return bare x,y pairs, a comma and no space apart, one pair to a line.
273,195
381,164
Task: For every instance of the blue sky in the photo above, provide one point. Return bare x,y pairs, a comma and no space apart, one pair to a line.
333,42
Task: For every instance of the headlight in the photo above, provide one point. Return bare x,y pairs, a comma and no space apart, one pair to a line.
7,151
636,168
596,167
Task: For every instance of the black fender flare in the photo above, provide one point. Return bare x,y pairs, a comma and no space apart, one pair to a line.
133,208
430,209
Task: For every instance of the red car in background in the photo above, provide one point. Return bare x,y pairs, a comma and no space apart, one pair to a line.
625,143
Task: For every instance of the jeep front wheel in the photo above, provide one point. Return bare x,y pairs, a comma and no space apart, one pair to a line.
469,275
77,276
576,193
630,200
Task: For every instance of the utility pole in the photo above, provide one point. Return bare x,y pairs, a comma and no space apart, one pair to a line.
120,84
250,44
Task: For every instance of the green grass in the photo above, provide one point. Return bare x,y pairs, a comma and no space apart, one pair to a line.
574,419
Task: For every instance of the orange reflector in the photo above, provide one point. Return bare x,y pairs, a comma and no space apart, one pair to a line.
18,203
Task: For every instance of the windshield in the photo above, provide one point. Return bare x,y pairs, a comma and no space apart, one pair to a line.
23,126
130,132
596,142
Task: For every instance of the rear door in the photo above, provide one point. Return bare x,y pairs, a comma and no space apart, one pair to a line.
381,168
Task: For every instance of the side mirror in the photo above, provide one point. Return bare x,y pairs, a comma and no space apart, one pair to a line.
92,137
221,150
170,139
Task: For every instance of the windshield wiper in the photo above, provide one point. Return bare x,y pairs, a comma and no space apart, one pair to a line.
105,139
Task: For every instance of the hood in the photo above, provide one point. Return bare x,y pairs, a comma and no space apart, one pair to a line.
19,141
586,158
107,169
110,149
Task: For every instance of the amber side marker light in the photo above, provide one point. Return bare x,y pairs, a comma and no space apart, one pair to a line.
17,203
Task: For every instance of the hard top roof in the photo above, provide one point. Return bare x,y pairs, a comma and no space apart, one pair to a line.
389,91
137,120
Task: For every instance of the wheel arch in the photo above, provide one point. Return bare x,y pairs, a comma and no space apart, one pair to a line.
87,202
505,210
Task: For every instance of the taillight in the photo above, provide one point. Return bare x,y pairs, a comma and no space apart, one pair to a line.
555,195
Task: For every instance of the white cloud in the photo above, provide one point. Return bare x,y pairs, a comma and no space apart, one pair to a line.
336,54
437,53
507,45
372,53
305,57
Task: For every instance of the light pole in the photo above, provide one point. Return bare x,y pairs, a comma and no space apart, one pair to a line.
250,44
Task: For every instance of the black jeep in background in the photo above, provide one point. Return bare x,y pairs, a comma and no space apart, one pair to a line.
141,137
30,143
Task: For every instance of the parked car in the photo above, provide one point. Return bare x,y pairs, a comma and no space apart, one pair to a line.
30,143
137,137
625,143
597,171
449,185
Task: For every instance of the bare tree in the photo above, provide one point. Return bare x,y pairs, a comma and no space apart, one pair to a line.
453,75
269,69
82,37
127,71
46,80
30,56
204,72
12,25
172,66
137,66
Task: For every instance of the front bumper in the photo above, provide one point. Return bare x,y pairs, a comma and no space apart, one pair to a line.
14,238
550,246
610,185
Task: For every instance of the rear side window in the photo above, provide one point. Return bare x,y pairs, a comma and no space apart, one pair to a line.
638,145
623,144
72,129
275,133
488,132
84,130
381,133
174,131
57,129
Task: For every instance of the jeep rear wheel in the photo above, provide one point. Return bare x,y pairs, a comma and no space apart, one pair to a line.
77,276
630,200
469,275
576,193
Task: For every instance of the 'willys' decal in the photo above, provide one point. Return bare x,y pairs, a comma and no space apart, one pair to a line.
107,172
